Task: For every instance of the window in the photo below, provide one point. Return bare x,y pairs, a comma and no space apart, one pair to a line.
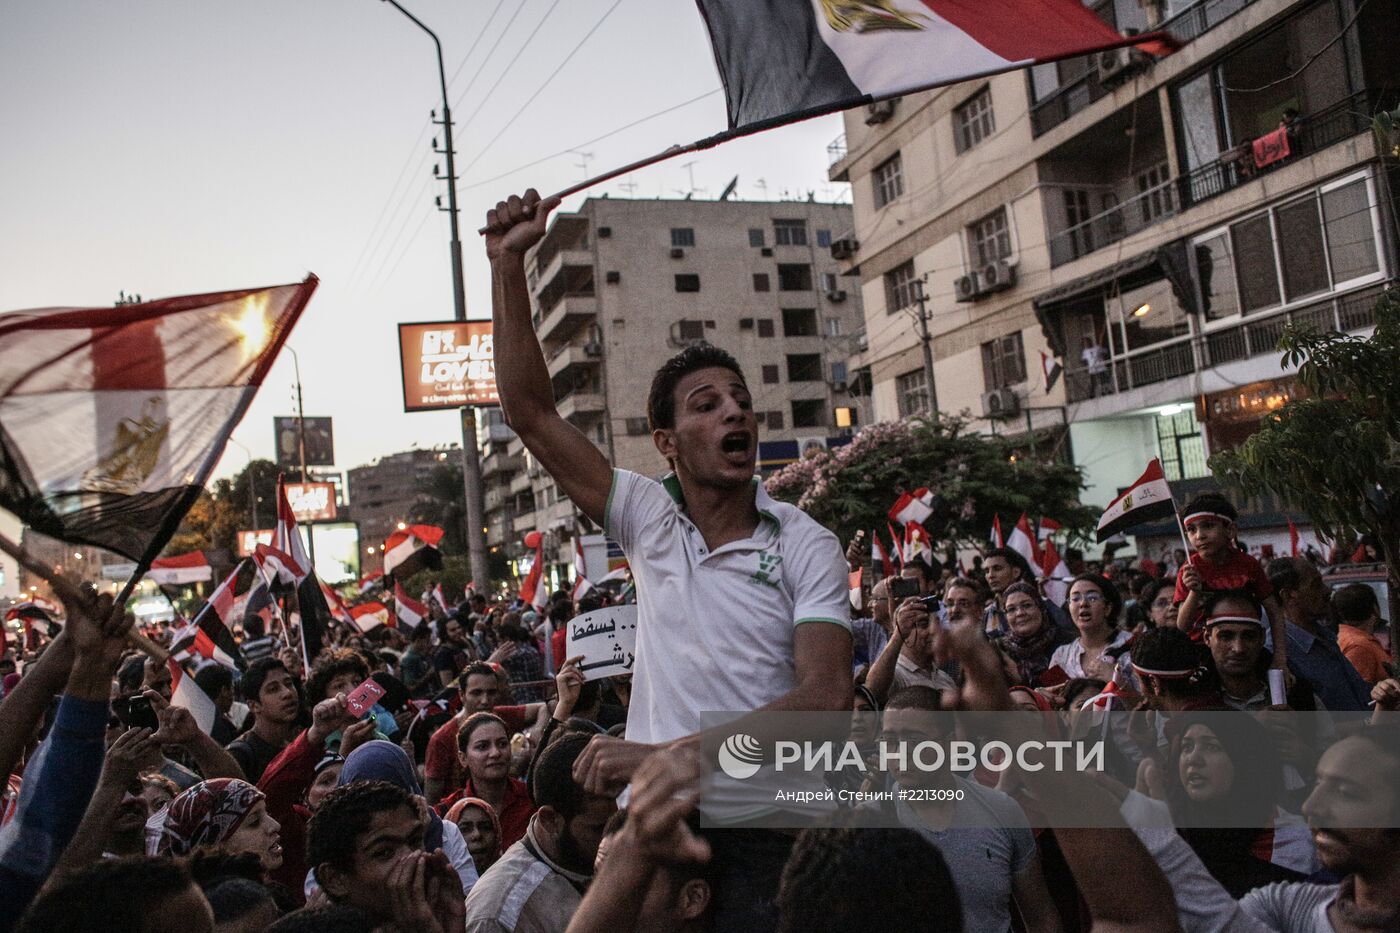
838,371
770,374
760,282
911,393
804,367
1217,285
833,327
799,322
1151,314
789,233
889,180
1183,451
1077,214
1254,263
765,327
794,277
756,236
1351,241
830,283
1003,362
687,282
601,434
1155,193
1302,257
823,238
636,427
899,287
973,121
682,236
691,330
808,413
775,420
988,239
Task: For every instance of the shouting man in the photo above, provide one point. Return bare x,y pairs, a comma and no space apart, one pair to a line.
742,600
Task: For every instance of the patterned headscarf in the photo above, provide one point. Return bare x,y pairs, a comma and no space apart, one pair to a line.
454,813
207,814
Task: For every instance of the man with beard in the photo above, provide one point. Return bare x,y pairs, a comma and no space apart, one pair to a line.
538,883
1358,786
742,601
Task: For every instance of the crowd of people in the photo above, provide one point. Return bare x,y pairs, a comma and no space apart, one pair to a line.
489,784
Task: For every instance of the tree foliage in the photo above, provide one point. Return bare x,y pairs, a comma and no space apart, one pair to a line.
227,507
1336,454
852,487
442,501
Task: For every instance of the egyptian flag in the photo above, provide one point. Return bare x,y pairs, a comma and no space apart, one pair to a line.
784,60
1049,368
180,569
1045,528
367,617
878,552
1104,700
185,693
1147,500
339,611
532,589
112,419
35,621
853,585
916,543
998,540
311,602
413,549
1293,537
581,583
895,539
1022,542
213,634
410,611
441,599
912,507
371,581
1054,574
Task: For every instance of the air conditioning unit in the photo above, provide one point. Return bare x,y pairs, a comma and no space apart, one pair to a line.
998,276
613,277
677,252
967,287
844,248
1118,65
836,294
746,323
604,232
1000,403
592,348
766,251
878,112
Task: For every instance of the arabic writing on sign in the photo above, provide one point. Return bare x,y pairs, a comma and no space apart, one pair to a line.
606,639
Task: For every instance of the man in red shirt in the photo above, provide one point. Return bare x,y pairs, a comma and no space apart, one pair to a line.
479,690
1218,565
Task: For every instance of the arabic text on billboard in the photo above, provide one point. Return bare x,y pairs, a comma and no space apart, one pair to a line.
447,365
312,502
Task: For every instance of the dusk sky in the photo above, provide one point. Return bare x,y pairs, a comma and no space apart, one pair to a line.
175,147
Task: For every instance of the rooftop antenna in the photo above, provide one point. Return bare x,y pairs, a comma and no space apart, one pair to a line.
690,170
762,185
583,159
629,185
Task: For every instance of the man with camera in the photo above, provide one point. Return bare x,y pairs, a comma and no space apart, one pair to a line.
908,659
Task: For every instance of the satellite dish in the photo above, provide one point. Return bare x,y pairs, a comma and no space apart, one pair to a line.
729,188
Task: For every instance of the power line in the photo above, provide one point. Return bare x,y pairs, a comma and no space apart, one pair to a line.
520,110
494,46
374,228
1307,64
479,36
515,58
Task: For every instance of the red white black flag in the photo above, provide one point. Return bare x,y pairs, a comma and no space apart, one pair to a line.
112,419
782,60
413,549
1147,500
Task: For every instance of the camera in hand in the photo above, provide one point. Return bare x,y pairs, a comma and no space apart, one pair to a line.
137,712
903,588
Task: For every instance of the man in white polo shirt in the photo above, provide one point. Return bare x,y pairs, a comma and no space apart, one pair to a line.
742,601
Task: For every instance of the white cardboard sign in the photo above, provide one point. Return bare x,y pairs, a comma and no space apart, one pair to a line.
607,640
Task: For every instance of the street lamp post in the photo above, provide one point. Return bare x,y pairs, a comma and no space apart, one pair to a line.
471,456
301,452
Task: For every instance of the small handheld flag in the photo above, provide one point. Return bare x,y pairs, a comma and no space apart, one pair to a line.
1148,499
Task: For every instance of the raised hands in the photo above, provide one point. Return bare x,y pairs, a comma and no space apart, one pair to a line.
665,789
516,224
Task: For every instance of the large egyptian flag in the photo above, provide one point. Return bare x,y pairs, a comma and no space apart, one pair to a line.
412,549
1147,500
112,419
782,60
180,569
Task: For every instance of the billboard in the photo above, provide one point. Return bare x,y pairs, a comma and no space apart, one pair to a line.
337,548
320,443
450,364
312,502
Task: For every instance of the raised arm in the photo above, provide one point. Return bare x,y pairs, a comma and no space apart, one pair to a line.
527,399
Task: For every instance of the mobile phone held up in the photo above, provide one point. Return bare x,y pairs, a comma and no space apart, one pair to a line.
140,714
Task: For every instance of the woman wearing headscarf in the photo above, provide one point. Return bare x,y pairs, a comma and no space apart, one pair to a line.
380,760
480,827
224,815
1031,636
484,750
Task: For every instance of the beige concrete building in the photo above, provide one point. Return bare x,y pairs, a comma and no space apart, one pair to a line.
1142,225
621,285
382,494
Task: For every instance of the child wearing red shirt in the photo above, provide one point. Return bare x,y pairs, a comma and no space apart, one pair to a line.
1217,565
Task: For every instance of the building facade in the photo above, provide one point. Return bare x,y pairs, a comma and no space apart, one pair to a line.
621,285
381,495
1110,246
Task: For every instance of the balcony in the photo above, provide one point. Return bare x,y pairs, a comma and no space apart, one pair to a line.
500,462
571,355
836,150
581,406
1254,337
523,522
519,483
561,320
1122,220
560,514
495,499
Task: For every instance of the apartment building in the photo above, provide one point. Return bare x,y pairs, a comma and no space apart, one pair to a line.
382,494
621,285
1148,227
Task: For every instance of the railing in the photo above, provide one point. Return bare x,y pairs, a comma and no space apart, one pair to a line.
1068,99
1107,227
1312,133
1349,312
836,150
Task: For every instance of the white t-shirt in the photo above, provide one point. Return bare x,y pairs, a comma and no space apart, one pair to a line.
715,629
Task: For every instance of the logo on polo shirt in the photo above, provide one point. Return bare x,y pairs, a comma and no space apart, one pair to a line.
740,756
767,565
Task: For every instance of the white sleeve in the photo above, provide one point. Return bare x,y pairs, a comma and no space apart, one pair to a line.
818,577
455,848
1203,906
635,503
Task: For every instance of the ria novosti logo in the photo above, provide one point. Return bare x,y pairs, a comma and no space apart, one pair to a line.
740,756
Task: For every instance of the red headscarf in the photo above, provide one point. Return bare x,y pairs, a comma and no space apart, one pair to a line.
454,813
